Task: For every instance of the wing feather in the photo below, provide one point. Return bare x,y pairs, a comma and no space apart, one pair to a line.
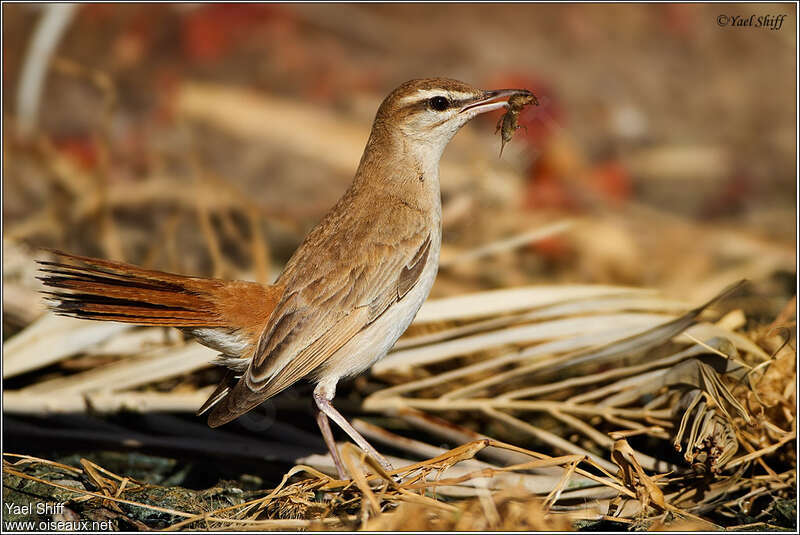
327,301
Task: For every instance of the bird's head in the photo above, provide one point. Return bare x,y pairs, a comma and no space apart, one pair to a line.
428,112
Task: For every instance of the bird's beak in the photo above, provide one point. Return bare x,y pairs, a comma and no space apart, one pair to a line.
492,100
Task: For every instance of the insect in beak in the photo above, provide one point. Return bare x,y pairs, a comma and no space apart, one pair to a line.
494,100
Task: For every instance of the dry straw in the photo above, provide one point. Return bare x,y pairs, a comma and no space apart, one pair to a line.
607,380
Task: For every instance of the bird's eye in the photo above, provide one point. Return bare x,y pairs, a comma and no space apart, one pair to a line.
439,103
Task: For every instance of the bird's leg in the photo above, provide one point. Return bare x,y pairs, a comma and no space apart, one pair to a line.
327,435
323,394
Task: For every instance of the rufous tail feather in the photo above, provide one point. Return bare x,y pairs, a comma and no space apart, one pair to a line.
96,289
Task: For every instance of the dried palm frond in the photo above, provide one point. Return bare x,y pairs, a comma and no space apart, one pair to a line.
608,381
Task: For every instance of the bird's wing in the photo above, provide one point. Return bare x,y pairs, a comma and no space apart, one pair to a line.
324,305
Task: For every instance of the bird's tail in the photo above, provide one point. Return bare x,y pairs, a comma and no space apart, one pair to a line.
96,289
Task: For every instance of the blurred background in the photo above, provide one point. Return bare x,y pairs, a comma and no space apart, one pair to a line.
208,139
171,134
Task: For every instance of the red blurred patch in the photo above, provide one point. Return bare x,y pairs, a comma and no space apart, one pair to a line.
611,180
679,19
81,150
210,32
547,191
554,249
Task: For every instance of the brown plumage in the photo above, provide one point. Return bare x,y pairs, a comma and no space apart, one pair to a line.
345,296
91,288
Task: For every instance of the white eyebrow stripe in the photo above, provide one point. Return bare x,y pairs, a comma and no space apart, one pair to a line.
423,94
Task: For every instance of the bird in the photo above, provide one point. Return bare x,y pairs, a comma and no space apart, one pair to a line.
344,297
